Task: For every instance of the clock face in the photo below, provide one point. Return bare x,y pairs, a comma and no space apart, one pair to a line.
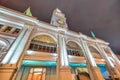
60,21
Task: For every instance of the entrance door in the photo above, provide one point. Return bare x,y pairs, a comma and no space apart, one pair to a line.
83,76
82,73
37,74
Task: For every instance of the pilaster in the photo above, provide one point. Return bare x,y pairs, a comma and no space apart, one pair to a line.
21,46
30,28
115,58
65,73
14,54
63,69
94,71
13,47
115,72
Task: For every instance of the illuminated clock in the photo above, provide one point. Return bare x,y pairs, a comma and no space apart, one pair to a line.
60,21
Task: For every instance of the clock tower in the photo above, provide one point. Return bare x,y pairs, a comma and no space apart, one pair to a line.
58,19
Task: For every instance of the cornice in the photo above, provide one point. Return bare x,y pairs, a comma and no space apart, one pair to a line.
41,24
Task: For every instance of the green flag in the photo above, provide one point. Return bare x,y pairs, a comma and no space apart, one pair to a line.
28,12
92,34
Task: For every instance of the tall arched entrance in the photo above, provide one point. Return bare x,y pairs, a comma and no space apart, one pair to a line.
40,60
78,65
98,58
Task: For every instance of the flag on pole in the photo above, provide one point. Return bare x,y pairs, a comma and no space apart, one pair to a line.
92,34
28,12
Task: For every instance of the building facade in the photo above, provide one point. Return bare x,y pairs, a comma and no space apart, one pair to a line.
35,50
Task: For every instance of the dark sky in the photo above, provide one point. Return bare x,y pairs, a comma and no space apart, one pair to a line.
100,16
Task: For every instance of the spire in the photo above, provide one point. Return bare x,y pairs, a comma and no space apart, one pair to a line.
28,12
92,34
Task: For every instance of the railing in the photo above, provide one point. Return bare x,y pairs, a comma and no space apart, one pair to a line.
74,51
8,30
43,46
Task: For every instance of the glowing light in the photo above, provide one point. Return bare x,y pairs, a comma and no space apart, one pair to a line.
77,64
38,63
30,52
48,41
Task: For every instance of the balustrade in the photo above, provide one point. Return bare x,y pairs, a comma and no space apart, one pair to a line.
74,51
42,46
9,30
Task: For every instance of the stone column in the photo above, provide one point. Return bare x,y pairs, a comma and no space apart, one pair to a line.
13,47
12,30
115,73
115,57
95,73
63,69
21,46
117,61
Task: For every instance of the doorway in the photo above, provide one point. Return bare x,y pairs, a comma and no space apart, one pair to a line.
37,74
82,73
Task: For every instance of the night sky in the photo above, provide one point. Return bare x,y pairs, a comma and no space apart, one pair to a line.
100,16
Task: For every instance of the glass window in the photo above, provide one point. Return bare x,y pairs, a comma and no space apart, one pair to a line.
43,43
8,29
74,49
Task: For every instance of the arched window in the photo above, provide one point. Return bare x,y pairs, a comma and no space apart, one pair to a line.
95,53
3,49
43,43
74,49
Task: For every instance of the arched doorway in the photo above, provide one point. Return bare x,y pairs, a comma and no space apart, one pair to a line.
83,73
77,69
34,69
98,56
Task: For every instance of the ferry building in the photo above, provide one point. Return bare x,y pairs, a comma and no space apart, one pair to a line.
31,49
